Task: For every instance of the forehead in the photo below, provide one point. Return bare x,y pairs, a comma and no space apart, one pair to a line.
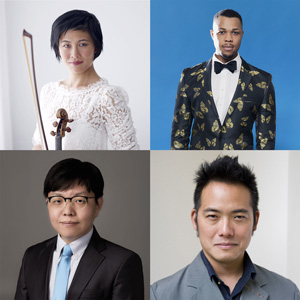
225,196
71,190
75,35
227,23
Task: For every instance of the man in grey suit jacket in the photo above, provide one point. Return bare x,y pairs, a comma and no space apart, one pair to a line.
225,215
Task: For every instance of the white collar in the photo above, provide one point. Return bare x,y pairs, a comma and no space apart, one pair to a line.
237,59
78,246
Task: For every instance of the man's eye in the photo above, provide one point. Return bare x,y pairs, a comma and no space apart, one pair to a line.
212,217
240,217
83,44
221,32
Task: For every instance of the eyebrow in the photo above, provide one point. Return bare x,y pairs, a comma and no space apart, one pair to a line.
82,40
57,193
221,28
240,210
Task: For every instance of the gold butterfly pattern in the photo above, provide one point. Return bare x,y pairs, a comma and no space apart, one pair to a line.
180,132
228,147
212,142
183,94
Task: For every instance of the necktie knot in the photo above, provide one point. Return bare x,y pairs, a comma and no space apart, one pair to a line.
67,251
231,66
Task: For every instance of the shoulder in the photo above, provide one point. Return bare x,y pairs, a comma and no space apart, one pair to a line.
113,92
35,250
170,286
50,86
275,283
199,68
118,253
254,70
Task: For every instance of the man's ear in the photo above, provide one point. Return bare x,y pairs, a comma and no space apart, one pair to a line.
212,34
99,205
256,221
194,219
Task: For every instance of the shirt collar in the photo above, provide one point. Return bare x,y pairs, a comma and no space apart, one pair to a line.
78,246
249,269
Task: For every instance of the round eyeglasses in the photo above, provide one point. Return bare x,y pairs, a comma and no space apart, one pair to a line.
60,201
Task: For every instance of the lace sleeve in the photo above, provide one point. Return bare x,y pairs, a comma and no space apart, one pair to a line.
116,116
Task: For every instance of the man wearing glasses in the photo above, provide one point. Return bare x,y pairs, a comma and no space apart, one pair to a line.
78,263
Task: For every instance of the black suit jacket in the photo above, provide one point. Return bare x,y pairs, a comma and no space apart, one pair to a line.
105,271
253,101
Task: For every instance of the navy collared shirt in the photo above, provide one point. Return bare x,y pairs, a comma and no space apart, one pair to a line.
249,272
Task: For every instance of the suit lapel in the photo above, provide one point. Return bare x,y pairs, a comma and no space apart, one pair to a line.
240,91
89,263
44,267
253,291
207,94
199,284
201,287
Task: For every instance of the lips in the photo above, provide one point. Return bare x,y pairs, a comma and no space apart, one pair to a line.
76,63
228,47
226,245
69,223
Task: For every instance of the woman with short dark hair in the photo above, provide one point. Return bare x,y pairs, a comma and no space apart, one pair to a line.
99,110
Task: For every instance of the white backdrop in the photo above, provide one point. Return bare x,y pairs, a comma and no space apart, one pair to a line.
125,60
275,245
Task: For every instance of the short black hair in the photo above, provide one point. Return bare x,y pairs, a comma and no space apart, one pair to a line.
228,13
76,20
228,170
70,171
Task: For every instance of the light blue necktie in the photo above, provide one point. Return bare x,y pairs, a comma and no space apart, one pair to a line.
62,275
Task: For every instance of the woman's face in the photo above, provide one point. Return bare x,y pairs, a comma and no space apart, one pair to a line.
77,51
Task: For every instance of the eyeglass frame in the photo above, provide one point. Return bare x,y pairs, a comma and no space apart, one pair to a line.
69,198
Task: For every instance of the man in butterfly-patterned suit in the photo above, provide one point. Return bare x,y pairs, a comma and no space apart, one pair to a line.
221,98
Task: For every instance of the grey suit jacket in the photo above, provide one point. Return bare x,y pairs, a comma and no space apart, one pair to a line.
193,283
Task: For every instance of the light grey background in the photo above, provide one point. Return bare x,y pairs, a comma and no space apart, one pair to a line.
125,60
124,218
275,244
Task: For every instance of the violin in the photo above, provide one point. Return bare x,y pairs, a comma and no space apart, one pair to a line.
61,127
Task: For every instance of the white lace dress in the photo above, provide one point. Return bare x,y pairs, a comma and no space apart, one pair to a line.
100,112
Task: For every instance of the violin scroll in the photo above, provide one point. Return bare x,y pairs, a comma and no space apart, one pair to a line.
61,126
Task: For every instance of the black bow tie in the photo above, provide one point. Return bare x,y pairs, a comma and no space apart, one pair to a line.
231,66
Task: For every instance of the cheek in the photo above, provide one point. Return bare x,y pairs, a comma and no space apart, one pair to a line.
53,216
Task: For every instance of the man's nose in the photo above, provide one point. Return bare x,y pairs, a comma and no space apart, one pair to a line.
226,228
228,37
68,209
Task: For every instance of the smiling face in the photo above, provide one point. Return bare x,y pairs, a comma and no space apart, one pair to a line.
71,222
77,51
225,222
227,35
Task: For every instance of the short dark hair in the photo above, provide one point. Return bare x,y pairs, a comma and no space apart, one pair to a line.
77,20
228,170
70,171
228,13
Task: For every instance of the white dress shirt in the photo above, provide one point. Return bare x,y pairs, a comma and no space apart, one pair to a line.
78,247
224,85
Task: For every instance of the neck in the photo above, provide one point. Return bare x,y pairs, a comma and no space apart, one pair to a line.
223,59
226,270
83,79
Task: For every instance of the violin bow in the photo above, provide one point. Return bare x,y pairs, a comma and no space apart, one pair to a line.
34,91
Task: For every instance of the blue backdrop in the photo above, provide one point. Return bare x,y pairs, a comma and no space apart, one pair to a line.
180,38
